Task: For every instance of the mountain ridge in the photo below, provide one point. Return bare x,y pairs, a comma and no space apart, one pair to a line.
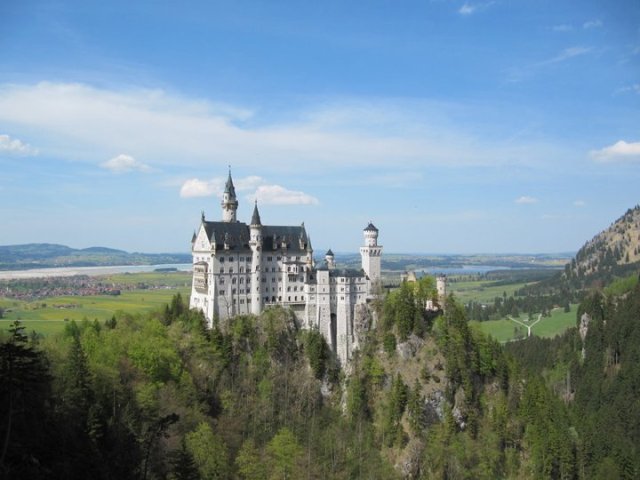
51,255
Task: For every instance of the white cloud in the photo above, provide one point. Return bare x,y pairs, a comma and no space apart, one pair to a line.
517,74
579,203
620,151
568,53
630,88
195,187
468,8
264,192
15,146
592,24
277,195
125,163
82,123
562,28
526,200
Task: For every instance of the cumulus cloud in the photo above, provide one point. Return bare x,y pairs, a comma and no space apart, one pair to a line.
15,146
195,187
125,163
256,187
525,200
277,195
620,151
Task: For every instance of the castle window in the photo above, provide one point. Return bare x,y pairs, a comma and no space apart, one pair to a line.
231,259
296,298
273,269
221,269
233,291
221,259
278,258
233,281
269,259
279,299
241,279
221,280
241,269
288,289
231,270
289,297
273,279
273,299
264,279
242,301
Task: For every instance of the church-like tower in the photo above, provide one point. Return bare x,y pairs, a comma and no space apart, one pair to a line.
371,254
229,201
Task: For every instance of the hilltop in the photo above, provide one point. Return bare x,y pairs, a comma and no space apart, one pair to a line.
46,255
614,252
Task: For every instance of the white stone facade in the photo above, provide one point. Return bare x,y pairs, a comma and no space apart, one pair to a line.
241,268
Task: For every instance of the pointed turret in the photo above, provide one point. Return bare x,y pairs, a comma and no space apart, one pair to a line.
229,201
255,218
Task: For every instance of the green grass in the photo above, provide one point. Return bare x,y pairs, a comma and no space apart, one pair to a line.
171,279
49,315
481,290
548,327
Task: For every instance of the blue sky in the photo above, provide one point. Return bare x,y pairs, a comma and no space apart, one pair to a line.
455,126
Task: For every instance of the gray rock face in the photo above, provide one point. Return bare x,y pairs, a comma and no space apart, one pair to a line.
582,330
408,349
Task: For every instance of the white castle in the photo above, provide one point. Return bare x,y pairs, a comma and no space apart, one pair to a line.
243,269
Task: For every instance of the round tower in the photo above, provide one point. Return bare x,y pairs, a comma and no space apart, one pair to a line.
229,201
330,260
371,254
441,288
255,243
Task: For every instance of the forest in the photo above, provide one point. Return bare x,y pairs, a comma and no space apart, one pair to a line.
159,396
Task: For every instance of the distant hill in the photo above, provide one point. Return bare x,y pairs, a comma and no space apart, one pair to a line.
48,255
614,252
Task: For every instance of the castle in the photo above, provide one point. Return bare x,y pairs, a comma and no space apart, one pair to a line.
241,268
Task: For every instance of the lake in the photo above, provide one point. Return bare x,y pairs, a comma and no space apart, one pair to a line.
91,271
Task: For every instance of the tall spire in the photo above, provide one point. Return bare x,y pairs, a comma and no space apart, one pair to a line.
229,188
229,201
255,218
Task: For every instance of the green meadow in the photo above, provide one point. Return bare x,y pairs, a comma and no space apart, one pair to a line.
481,290
49,315
505,330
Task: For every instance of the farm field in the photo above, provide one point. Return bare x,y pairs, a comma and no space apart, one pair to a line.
49,315
504,330
484,291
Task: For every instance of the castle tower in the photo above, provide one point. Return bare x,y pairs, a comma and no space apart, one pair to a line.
441,287
371,254
255,243
330,259
229,201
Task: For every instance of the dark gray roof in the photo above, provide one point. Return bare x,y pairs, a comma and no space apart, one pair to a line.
229,188
346,272
329,253
237,236
371,227
255,218
294,237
